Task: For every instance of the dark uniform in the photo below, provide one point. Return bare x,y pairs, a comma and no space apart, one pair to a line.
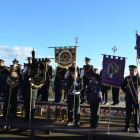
94,99
129,101
68,76
26,96
58,83
45,87
3,75
88,70
78,88
14,91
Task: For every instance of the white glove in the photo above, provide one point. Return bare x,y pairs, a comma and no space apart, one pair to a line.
75,83
74,92
82,73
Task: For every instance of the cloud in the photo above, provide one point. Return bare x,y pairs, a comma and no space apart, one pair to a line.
9,53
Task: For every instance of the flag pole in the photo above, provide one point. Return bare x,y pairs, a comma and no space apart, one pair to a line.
137,61
76,38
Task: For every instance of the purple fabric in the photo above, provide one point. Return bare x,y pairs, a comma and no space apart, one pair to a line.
98,94
113,71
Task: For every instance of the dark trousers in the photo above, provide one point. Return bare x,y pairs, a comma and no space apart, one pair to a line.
95,110
44,93
115,95
105,96
58,92
27,108
45,90
13,103
85,83
129,109
70,108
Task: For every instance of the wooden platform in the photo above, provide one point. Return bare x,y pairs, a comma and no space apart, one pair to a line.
115,133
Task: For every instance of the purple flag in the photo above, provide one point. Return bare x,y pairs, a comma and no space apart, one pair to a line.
138,45
113,71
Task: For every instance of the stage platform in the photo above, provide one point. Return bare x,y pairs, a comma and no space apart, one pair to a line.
115,132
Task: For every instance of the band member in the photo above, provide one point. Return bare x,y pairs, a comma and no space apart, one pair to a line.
68,76
88,70
13,77
95,70
129,86
45,88
74,87
58,83
25,94
3,69
94,99
29,64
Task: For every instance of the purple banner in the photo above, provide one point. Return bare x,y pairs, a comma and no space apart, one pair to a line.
113,71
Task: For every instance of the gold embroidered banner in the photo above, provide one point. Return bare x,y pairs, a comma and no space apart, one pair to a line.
65,56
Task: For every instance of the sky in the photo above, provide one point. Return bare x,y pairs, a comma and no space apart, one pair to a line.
99,24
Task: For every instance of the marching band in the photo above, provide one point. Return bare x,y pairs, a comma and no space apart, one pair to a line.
81,86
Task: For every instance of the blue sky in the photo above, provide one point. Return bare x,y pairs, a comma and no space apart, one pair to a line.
99,24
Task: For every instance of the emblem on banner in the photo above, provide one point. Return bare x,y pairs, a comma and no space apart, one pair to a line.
113,70
38,73
13,78
64,57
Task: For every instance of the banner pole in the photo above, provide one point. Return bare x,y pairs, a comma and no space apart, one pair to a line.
137,82
109,110
8,103
76,38
30,101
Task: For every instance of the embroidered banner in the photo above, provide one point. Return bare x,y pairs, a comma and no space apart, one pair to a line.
113,70
138,45
65,56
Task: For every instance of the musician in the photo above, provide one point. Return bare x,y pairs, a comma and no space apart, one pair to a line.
25,94
3,69
88,70
74,87
29,64
58,82
16,78
45,88
4,73
94,99
68,76
129,86
95,70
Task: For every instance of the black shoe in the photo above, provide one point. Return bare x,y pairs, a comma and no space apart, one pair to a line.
105,103
46,100
91,127
136,129
126,129
113,104
70,124
82,103
77,124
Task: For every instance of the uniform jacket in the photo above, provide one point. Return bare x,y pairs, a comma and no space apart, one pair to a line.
70,85
125,87
88,70
59,78
92,96
25,90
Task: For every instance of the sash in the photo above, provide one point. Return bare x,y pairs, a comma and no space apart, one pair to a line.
98,94
132,90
